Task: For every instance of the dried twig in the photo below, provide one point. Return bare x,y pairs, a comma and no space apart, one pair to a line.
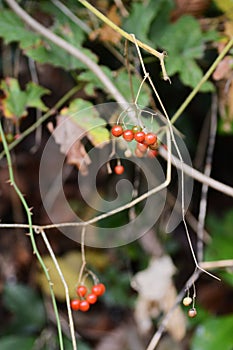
207,171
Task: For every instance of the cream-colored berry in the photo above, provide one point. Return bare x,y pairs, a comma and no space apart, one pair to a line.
187,301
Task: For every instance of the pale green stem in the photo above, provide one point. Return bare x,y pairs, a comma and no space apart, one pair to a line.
124,34
31,233
201,82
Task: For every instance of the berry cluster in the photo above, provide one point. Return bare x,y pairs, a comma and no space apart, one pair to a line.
192,312
84,300
146,142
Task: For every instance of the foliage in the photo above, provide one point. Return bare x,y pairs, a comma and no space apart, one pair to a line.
10,342
184,40
29,319
12,29
135,24
83,113
187,45
120,79
17,299
214,333
15,102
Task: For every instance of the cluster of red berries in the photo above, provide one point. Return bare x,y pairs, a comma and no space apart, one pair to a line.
146,142
84,300
192,312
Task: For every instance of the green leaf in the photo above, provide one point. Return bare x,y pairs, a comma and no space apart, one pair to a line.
92,81
185,42
121,80
184,37
48,52
27,308
12,29
140,18
122,83
34,94
161,20
191,74
86,116
16,342
214,333
15,102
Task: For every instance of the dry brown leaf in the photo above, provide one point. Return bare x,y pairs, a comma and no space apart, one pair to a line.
223,75
192,7
176,324
225,94
228,28
106,33
157,277
68,137
78,156
224,69
157,293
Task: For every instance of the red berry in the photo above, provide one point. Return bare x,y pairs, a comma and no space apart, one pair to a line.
128,135
139,136
98,289
138,153
84,305
142,147
81,291
91,298
154,146
152,153
117,130
119,169
150,138
136,128
75,303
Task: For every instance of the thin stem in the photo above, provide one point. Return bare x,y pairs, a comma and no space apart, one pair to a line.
71,16
34,126
102,17
197,175
83,255
207,172
217,264
146,74
31,235
123,207
94,67
50,250
163,325
201,82
174,160
35,79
